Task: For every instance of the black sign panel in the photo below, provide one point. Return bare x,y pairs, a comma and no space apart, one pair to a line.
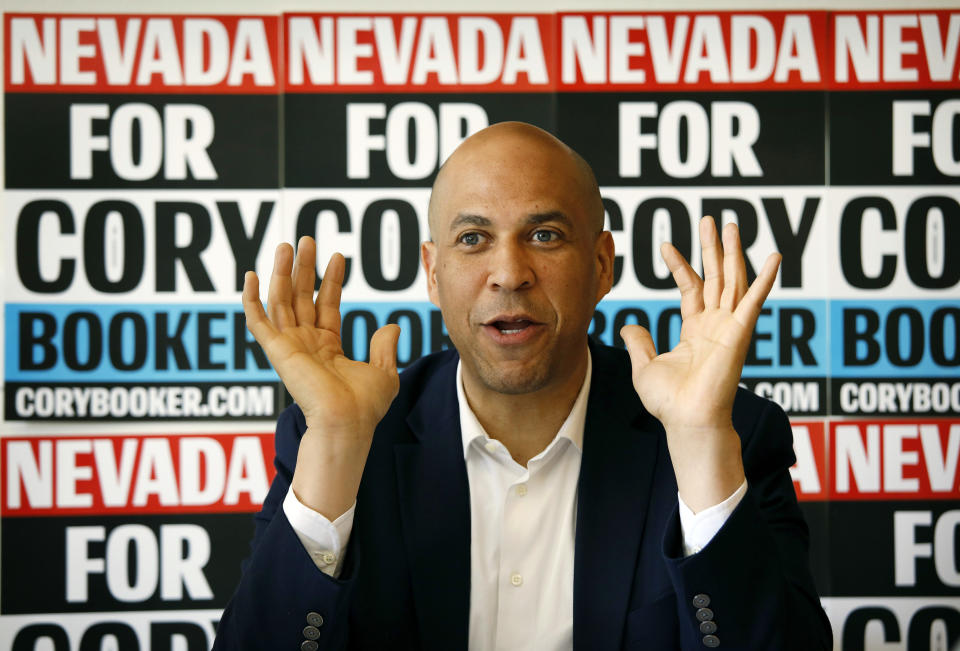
143,141
158,562
895,138
665,139
392,140
887,548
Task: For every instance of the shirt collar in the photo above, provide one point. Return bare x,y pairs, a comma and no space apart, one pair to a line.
572,428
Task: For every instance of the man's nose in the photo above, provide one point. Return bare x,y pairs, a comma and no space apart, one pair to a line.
510,267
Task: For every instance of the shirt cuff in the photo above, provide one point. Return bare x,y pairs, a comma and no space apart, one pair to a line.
324,541
698,529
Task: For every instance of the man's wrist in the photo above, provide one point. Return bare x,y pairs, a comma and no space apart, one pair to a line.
328,471
707,463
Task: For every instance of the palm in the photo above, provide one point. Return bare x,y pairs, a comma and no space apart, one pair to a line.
703,369
328,386
338,396
693,385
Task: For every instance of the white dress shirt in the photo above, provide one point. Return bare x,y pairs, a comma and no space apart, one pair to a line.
523,528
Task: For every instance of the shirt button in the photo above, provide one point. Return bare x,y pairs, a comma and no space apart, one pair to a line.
315,619
311,632
522,490
309,645
701,600
516,579
328,557
491,446
704,614
711,641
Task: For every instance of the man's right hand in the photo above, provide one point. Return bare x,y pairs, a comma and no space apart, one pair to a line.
342,400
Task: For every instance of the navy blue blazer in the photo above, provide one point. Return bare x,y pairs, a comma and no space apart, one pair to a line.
406,577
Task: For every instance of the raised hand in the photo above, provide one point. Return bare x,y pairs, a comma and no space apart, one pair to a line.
691,388
342,400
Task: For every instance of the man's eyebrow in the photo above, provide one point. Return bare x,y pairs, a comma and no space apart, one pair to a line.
552,216
467,219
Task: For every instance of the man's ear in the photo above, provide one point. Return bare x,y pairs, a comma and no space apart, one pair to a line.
604,255
428,258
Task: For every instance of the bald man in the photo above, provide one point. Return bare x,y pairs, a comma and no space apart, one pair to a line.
530,489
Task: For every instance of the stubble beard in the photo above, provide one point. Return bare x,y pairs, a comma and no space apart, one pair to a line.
512,379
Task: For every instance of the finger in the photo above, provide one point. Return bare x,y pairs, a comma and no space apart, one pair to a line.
304,275
280,293
688,282
383,347
712,255
749,308
328,298
639,345
257,322
734,269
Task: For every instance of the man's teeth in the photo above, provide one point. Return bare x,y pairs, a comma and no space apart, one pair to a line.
511,328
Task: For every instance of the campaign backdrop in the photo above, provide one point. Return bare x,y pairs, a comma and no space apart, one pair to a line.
150,160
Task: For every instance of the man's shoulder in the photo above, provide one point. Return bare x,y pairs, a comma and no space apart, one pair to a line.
610,359
764,428
749,409
421,375
428,385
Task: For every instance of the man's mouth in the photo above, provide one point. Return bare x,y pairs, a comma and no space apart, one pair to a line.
511,327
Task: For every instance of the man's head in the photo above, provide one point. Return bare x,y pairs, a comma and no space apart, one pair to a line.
517,259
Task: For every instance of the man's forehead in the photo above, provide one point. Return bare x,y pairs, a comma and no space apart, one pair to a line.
508,168
505,201
510,162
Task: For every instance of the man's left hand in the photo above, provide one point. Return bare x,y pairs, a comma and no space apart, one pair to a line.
691,388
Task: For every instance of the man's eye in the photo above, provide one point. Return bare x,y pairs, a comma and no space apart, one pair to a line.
470,239
545,236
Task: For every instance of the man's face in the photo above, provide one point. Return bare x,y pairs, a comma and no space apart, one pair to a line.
516,264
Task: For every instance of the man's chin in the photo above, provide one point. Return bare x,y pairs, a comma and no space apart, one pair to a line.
511,379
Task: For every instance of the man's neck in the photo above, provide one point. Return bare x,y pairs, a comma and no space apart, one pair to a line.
525,423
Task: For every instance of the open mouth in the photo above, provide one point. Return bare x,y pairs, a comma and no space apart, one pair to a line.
511,327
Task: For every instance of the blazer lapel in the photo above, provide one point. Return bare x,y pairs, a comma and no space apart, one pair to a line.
435,514
616,476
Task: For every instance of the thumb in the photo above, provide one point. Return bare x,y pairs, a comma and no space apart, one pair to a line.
639,345
383,347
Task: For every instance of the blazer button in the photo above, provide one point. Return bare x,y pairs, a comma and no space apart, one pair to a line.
711,641
311,632
708,627
309,645
701,601
315,619
704,614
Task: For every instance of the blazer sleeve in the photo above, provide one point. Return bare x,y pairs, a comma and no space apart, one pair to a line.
753,578
280,584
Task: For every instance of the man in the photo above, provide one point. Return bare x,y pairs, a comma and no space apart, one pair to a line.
529,490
